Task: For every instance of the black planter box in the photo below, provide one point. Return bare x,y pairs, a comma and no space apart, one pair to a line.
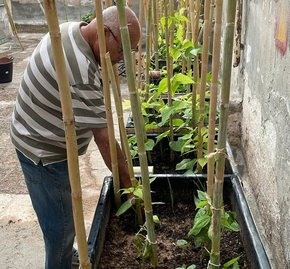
233,191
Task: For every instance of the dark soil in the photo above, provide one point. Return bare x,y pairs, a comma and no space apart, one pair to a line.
120,252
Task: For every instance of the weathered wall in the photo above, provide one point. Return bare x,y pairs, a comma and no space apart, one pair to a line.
262,84
5,31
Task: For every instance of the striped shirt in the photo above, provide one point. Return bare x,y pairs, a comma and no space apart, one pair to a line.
37,128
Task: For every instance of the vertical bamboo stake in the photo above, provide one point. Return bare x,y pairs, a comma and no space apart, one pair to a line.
68,119
119,109
195,29
140,45
213,96
204,64
139,128
169,64
148,47
11,22
214,262
123,134
107,97
155,34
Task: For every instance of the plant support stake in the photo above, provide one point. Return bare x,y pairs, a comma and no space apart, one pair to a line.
214,262
213,96
70,134
204,64
139,127
107,97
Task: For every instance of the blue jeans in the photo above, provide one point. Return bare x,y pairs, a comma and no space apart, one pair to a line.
50,193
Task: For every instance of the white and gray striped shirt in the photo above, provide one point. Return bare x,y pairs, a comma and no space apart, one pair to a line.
37,128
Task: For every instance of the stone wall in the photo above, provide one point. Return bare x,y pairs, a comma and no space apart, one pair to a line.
261,86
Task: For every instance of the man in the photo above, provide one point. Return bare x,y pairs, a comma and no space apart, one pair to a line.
37,129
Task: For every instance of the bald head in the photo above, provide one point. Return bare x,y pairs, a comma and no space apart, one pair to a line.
112,33
110,16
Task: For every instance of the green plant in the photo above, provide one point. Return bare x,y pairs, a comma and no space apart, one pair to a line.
88,17
232,264
142,243
202,230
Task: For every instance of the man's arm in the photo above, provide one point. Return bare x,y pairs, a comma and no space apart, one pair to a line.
102,140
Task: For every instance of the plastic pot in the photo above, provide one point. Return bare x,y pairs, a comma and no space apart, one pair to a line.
6,69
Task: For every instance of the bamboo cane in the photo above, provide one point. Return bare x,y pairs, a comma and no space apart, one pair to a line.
169,36
214,262
121,123
139,127
148,47
68,119
213,96
155,34
204,65
11,22
195,28
107,98
140,46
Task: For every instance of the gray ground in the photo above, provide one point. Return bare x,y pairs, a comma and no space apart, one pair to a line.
20,237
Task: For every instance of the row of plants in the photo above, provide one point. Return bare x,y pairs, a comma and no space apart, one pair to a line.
179,106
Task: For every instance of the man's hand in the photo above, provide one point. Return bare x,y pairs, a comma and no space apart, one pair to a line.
101,137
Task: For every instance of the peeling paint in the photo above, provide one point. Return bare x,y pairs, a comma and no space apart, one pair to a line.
281,27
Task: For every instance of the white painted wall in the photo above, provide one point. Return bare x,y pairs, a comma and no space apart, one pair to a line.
262,84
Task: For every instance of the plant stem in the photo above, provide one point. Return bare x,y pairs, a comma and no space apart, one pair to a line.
68,119
139,127
107,98
220,164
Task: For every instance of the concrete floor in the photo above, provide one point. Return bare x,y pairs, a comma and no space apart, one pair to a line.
20,236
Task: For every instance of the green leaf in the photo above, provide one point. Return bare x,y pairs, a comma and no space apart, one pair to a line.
191,266
177,145
185,164
156,219
202,204
151,125
124,207
138,193
177,122
201,240
231,262
182,79
149,144
162,135
162,87
199,223
202,162
166,113
182,243
201,195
